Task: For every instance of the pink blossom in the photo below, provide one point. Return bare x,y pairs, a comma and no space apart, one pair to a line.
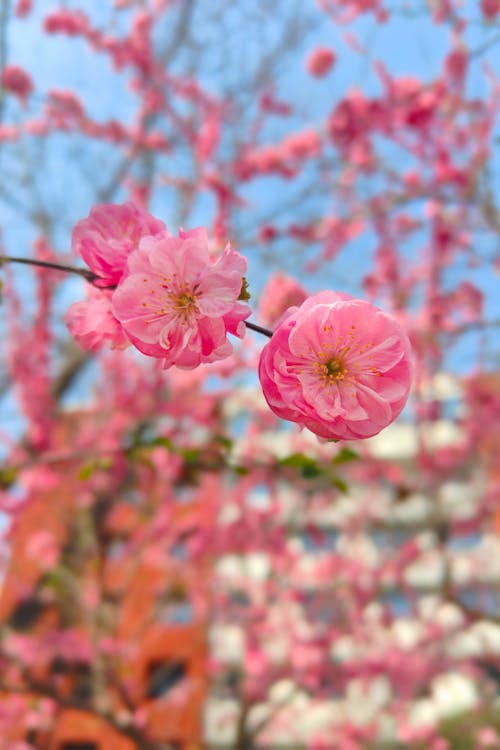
267,233
269,103
305,144
43,546
62,21
320,61
177,303
439,743
208,136
93,324
337,365
487,737
350,124
64,107
490,8
280,293
109,234
455,64
23,8
17,81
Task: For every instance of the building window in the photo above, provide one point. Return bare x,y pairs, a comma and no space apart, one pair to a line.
163,676
34,738
176,613
176,608
73,678
26,614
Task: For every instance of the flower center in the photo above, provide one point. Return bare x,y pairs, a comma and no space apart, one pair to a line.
185,300
331,370
184,303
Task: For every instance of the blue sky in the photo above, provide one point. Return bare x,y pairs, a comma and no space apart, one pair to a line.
408,44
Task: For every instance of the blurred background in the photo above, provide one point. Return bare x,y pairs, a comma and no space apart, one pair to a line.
180,569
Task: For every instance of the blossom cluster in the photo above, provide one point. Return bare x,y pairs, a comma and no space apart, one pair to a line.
337,365
334,364
168,296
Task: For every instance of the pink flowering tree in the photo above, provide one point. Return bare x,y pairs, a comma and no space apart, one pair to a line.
285,228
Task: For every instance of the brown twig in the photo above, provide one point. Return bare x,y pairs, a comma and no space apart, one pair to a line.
84,272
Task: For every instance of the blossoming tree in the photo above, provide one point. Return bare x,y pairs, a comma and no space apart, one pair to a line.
183,565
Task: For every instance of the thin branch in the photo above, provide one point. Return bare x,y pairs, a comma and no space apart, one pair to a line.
259,329
85,273
75,362
487,45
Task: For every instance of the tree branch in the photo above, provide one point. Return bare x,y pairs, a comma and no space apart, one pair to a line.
84,272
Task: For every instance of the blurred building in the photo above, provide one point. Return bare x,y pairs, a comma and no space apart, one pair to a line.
165,674
161,680
449,587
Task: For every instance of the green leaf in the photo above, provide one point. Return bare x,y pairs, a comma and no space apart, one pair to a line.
54,580
86,471
8,475
308,467
102,463
225,441
296,460
344,455
164,441
105,462
191,455
340,484
309,471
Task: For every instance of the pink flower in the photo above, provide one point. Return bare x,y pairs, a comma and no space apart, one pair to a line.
93,324
177,303
62,21
490,8
17,81
320,61
23,8
487,737
280,293
108,235
303,145
337,365
43,547
455,64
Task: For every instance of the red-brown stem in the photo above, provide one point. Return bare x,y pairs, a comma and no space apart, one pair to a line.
87,275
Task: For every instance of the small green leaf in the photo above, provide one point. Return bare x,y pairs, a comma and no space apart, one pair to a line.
86,471
101,463
160,440
8,475
340,484
225,441
308,467
191,455
296,460
53,581
105,462
344,455
309,471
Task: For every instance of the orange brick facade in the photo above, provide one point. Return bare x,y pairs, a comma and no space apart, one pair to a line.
165,671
